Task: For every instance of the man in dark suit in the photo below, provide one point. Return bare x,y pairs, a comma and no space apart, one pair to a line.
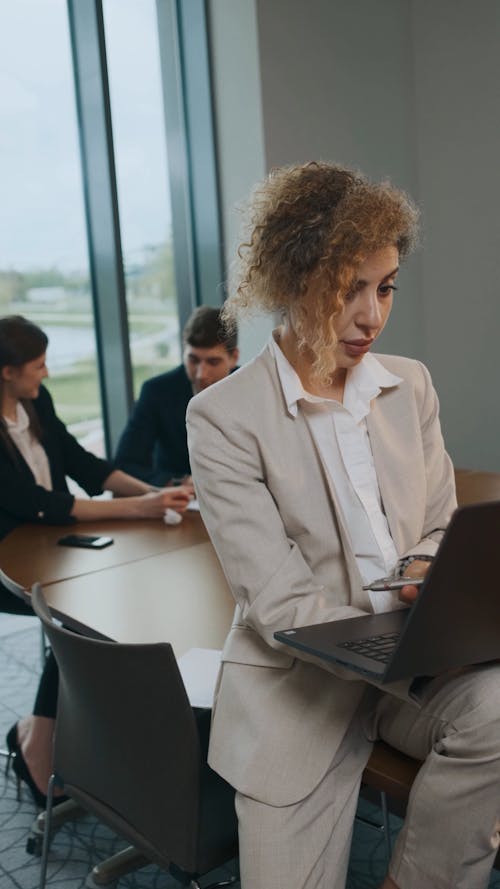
153,446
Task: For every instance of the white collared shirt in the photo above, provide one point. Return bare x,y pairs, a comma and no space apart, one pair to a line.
341,435
29,447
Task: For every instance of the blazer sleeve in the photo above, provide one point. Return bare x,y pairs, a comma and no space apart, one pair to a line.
67,457
135,451
440,494
269,577
22,500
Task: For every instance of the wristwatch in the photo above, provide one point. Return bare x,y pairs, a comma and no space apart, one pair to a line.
403,563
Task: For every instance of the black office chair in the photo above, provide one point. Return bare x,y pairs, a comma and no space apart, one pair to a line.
24,604
129,750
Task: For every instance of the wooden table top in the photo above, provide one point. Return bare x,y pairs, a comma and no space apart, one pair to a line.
181,597
476,486
156,583
31,553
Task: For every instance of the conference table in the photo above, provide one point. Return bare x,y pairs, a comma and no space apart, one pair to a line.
155,583
474,486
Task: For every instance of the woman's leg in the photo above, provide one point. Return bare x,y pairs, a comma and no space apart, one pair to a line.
451,832
46,696
305,845
35,733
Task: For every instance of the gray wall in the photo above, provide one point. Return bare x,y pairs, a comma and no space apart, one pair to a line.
407,89
338,91
457,56
239,127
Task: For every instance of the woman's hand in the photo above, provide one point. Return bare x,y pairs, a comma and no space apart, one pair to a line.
409,592
178,498
154,504
187,482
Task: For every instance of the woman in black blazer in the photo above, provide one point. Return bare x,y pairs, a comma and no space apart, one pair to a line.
37,453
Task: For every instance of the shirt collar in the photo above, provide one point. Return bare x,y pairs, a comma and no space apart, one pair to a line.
21,422
364,382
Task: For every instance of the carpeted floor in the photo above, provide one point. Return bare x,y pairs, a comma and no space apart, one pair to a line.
78,845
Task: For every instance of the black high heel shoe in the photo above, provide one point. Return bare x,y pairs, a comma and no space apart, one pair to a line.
12,746
23,773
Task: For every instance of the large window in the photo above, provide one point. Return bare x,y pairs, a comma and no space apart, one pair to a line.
134,71
109,230
44,271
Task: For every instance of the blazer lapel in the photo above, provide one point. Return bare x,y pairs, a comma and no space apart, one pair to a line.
391,428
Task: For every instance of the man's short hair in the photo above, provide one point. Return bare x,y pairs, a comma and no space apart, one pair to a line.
205,329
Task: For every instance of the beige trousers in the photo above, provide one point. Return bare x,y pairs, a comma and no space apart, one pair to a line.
451,830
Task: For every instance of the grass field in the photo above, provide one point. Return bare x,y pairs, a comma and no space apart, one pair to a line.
76,392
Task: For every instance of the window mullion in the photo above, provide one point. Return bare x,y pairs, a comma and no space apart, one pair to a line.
101,203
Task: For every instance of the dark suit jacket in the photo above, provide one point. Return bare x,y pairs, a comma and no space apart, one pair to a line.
153,446
22,500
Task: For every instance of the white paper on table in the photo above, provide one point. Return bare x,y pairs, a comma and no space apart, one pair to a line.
194,505
199,668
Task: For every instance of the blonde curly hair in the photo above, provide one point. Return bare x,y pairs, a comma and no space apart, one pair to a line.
309,228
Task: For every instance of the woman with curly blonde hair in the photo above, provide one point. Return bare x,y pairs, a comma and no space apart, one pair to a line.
320,467
308,229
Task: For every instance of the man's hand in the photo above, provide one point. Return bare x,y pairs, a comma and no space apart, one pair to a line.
186,481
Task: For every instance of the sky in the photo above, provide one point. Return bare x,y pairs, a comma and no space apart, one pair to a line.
41,208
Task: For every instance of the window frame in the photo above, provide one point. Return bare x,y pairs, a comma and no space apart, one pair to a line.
192,173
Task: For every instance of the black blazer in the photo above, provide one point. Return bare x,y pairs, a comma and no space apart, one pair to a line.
153,446
22,500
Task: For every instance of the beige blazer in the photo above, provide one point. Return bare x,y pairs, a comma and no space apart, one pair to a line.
278,530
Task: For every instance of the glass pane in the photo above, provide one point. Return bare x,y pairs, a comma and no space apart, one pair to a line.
44,272
143,189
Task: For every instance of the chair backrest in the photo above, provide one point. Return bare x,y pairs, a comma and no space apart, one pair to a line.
126,743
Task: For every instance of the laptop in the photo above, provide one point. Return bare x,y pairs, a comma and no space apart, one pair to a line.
454,622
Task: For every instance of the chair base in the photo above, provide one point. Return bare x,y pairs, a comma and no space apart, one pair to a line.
109,871
220,883
67,811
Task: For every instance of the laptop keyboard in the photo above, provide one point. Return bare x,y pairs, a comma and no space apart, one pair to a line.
379,648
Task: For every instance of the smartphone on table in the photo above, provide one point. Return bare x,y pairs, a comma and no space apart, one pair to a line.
86,541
